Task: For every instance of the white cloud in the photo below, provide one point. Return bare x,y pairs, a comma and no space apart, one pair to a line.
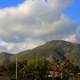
34,22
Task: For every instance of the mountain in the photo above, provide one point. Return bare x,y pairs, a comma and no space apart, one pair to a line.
5,56
54,49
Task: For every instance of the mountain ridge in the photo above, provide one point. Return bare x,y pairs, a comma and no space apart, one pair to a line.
56,48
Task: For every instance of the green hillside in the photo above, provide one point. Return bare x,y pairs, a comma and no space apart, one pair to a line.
54,49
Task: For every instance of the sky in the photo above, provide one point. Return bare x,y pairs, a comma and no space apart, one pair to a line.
25,24
74,11
10,3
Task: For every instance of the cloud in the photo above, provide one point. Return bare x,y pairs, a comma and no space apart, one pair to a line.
34,22
77,35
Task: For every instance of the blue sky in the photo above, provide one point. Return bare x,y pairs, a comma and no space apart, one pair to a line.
9,3
74,11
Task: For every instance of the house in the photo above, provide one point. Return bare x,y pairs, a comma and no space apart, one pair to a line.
55,71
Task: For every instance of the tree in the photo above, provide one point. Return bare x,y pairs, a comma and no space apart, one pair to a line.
35,69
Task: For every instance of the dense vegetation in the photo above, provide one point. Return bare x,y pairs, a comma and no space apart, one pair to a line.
37,68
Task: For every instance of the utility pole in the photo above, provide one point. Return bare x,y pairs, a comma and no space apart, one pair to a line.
16,67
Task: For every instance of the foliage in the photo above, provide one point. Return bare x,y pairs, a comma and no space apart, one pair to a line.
37,68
